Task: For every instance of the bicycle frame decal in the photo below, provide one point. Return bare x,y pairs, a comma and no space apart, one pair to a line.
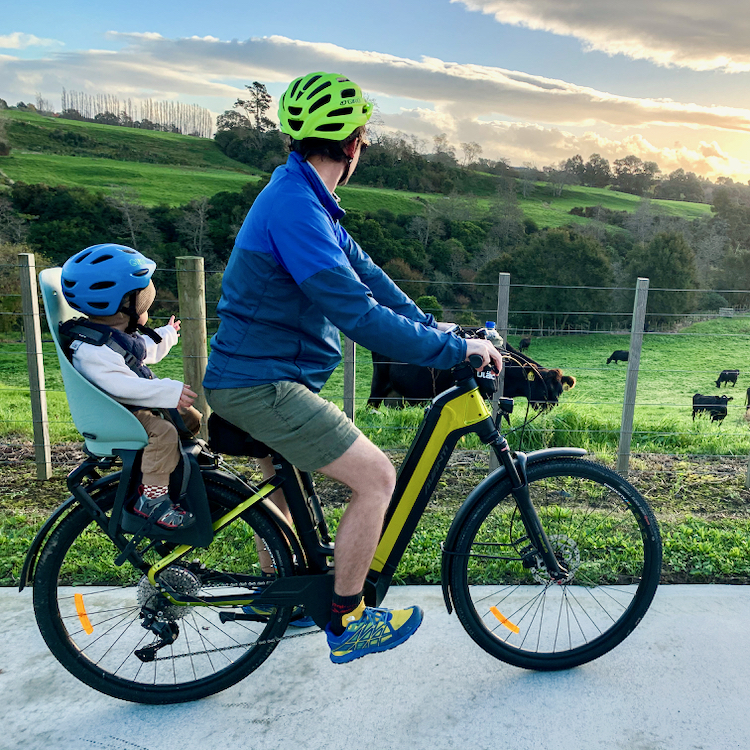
456,416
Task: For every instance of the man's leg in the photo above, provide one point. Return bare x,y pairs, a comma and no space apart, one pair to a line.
369,473
356,630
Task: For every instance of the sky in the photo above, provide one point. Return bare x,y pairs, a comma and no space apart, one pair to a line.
532,81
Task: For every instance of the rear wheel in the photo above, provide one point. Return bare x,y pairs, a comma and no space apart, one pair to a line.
94,615
599,528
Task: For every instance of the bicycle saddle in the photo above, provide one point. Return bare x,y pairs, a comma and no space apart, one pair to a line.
225,437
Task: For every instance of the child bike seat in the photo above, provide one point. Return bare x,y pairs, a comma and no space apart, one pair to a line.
105,424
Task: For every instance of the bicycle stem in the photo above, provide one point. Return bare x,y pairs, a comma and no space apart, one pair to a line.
515,468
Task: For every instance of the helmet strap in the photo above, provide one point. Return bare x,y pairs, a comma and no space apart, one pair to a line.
131,313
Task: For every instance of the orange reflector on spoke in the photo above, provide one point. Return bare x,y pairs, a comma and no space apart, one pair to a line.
504,620
82,616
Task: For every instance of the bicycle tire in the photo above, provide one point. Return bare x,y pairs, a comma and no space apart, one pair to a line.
598,525
208,655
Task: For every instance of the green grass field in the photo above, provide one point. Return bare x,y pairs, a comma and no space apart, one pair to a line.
29,132
152,184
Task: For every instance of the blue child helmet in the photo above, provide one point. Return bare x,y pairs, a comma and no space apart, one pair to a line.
95,280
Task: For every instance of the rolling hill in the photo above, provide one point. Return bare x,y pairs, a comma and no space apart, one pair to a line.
174,169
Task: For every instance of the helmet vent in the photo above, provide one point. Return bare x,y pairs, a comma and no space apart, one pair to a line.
321,102
295,125
343,111
81,258
310,83
318,90
347,93
330,127
101,259
294,88
141,272
99,305
69,284
102,285
296,111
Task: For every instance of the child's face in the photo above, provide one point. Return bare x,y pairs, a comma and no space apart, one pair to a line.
143,319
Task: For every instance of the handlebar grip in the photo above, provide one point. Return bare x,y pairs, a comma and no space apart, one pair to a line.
475,360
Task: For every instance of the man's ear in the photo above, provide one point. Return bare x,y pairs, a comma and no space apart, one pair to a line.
351,148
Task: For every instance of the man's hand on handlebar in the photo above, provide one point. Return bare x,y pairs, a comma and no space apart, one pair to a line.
486,351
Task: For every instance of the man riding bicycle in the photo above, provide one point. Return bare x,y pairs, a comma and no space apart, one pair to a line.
294,280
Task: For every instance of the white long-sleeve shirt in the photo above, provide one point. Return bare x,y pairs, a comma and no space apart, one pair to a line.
106,369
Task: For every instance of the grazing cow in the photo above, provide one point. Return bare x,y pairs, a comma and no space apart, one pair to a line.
619,355
728,376
399,384
524,344
716,406
747,399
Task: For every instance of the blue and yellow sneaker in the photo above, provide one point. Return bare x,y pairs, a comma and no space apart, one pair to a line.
299,618
370,630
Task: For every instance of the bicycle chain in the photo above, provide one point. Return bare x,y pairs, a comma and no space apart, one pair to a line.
266,642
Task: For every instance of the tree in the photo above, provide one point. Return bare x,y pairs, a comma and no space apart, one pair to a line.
668,262
596,172
256,106
632,175
444,152
574,168
680,186
471,151
561,258
429,304
193,227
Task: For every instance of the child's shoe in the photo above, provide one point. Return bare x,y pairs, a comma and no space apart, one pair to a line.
170,516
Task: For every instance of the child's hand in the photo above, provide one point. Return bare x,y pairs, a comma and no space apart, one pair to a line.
186,397
174,323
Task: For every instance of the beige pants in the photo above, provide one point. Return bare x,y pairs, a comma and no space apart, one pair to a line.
162,454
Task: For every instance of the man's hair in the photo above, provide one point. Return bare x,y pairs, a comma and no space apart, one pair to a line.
333,150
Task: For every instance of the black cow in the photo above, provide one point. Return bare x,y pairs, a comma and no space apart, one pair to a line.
619,355
728,376
524,344
716,406
747,398
400,384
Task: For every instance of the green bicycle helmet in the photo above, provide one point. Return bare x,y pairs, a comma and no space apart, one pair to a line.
323,105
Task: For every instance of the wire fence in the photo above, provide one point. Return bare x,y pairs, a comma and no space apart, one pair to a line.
668,421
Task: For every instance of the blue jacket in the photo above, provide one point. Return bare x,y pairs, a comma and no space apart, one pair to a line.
295,278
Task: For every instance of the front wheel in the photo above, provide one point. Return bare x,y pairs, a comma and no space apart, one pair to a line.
603,533
101,621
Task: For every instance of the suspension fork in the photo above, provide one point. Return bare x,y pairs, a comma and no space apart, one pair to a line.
515,468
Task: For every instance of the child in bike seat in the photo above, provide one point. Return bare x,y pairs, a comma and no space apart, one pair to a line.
112,347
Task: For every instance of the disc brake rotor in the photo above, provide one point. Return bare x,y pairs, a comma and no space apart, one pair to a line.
566,551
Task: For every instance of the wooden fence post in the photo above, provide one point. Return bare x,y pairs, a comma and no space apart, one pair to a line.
350,367
191,289
503,303
631,381
33,335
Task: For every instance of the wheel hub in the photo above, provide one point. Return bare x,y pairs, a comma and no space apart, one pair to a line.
566,551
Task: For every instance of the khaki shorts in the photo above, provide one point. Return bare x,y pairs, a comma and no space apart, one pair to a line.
307,430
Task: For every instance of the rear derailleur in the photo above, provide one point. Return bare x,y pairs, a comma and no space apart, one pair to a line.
166,633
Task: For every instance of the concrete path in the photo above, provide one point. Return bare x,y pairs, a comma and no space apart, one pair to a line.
680,681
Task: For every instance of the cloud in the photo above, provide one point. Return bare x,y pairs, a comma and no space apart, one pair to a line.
521,142
203,66
690,33
470,102
19,40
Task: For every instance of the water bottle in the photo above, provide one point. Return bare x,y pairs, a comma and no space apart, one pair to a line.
491,334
